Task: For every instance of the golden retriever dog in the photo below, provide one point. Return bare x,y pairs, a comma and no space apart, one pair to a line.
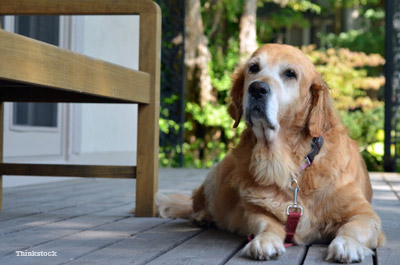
286,106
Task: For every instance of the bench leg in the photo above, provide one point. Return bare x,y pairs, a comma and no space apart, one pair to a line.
147,161
149,114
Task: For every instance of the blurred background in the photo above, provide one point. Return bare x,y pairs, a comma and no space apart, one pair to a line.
344,39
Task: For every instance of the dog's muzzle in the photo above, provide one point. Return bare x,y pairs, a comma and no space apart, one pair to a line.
259,93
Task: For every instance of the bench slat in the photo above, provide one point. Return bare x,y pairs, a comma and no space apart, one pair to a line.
75,7
28,61
68,170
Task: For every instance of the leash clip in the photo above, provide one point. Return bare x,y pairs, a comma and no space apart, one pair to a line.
294,206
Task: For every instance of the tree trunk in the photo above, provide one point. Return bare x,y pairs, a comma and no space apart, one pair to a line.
337,26
197,57
247,35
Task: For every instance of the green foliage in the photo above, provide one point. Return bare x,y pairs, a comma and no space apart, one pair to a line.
222,66
287,18
351,3
297,5
346,71
361,111
367,128
304,6
359,78
357,40
364,126
276,22
351,63
221,137
370,38
210,127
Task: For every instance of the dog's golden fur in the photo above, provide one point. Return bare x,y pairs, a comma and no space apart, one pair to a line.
248,191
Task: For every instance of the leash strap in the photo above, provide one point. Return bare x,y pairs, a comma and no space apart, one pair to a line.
291,225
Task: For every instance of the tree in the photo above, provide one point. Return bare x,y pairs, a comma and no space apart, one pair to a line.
248,35
197,57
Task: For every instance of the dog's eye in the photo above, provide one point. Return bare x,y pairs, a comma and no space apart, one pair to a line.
254,68
290,73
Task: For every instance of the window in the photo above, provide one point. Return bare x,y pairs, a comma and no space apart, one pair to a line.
46,29
35,114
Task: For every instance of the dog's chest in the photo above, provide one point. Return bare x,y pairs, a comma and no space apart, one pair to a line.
271,199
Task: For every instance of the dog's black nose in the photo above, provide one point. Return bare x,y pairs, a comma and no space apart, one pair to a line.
258,89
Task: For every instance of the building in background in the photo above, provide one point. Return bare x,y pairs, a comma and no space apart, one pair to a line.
74,133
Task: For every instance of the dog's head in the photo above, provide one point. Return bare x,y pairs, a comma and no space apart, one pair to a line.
278,88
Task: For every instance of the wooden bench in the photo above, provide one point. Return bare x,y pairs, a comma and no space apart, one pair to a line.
32,71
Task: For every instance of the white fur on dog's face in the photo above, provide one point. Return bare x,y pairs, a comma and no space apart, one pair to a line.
284,89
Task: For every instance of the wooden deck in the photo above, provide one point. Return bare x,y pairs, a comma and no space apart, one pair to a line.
87,221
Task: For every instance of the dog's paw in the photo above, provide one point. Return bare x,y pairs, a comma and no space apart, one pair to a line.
346,250
265,246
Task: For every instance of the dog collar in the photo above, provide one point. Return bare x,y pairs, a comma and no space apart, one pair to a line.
316,145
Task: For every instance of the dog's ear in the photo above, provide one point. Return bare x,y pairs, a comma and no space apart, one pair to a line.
322,115
235,109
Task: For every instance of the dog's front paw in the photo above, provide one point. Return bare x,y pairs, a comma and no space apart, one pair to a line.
346,249
265,246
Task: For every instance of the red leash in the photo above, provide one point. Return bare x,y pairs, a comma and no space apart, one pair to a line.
291,226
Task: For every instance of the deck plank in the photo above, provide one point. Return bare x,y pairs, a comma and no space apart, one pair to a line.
387,205
14,191
37,197
64,201
77,245
393,180
184,181
36,220
317,253
213,246
41,234
388,256
14,196
144,247
294,255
